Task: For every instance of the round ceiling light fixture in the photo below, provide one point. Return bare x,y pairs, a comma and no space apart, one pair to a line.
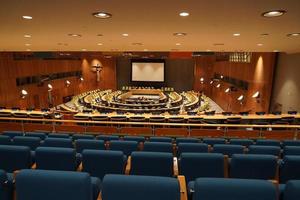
274,13
27,17
184,14
102,15
179,34
293,34
74,35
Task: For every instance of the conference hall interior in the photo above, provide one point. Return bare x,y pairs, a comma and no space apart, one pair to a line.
143,100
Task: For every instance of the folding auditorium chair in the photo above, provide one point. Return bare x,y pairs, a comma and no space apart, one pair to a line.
82,144
291,143
125,146
58,185
56,158
40,135
5,140
249,166
14,158
267,142
292,190
291,150
151,164
191,148
213,141
6,186
187,140
58,142
138,139
289,169
116,187
195,165
228,149
233,189
82,136
12,134
160,139
99,163
31,142
107,137
158,147
267,150
59,135
244,142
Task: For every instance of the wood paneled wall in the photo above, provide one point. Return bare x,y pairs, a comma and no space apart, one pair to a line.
258,73
10,69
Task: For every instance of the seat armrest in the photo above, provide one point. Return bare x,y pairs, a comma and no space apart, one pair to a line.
175,166
128,166
182,184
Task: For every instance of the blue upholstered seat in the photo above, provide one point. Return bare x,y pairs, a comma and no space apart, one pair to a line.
152,164
192,147
291,143
158,147
59,135
99,163
31,142
55,158
125,146
289,168
233,189
291,150
58,142
292,190
83,136
82,144
5,140
194,165
58,185
187,140
262,149
107,137
40,135
161,139
12,134
134,138
213,141
228,149
6,186
14,158
250,166
266,142
116,187
244,142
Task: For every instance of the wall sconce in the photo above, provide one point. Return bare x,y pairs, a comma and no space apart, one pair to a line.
219,85
24,93
256,95
211,82
227,90
50,87
221,76
68,83
81,79
240,99
202,80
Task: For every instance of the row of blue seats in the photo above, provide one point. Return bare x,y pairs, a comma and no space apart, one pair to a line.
192,165
128,146
59,185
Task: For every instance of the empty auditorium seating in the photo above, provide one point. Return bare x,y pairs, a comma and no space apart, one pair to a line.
244,142
59,185
291,143
253,166
158,147
55,158
268,142
213,141
5,140
59,135
81,144
31,142
125,146
187,140
233,189
82,136
58,142
40,135
161,139
262,149
6,186
228,149
291,150
107,137
191,147
289,168
292,190
12,134
99,163
151,164
116,187
134,138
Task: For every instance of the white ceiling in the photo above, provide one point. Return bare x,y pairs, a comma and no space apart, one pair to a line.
150,22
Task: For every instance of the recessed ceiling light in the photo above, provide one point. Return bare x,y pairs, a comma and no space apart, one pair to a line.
27,44
264,34
219,44
273,13
177,44
184,14
125,34
27,36
100,35
99,44
74,35
293,34
137,43
259,44
236,34
28,49
179,34
102,15
83,49
26,17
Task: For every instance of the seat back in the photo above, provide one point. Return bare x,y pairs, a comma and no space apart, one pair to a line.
291,143
192,147
228,149
158,147
116,187
134,138
6,187
262,149
160,139
99,163
40,135
82,144
31,142
83,136
12,134
152,164
49,185
291,150
268,142
187,140
249,166
244,142
58,142
107,137
292,190
194,165
233,189
59,135
5,140
289,168
125,146
14,157
55,158
213,141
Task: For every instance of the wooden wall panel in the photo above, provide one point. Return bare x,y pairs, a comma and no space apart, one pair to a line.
38,95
